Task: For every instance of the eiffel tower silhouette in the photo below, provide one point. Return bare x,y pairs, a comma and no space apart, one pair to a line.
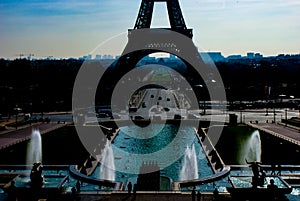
175,16
144,40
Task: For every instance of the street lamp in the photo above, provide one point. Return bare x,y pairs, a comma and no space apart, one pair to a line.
286,116
241,115
274,111
17,110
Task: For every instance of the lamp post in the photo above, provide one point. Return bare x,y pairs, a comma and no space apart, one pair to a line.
274,111
286,116
241,115
30,118
16,109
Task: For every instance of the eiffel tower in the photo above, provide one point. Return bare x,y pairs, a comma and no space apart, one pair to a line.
144,40
175,16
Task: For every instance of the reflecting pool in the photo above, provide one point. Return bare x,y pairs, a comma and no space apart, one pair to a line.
163,145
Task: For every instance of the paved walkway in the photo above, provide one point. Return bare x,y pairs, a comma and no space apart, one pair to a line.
287,133
150,196
11,137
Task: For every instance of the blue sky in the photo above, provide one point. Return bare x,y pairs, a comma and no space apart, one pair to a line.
74,28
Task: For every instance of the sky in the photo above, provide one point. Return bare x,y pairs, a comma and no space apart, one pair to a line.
73,28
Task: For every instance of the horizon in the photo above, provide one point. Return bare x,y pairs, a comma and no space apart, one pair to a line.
71,29
154,55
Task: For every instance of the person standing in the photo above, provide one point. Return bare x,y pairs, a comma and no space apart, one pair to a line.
272,189
194,194
129,188
134,191
198,196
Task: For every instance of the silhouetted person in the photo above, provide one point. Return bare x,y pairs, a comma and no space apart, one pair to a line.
193,194
272,185
216,194
12,191
73,190
129,188
198,196
78,186
134,191
272,188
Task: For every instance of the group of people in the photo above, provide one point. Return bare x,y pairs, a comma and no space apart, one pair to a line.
194,195
259,176
130,189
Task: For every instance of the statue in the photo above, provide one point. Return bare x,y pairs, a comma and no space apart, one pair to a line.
36,176
259,176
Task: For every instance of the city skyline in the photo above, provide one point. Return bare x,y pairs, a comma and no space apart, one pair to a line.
65,29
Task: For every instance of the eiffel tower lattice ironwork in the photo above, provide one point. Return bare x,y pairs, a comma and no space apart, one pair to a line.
175,16
144,40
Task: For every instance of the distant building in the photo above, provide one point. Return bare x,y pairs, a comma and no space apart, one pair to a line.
234,57
216,56
107,56
88,57
98,57
258,56
250,55
212,56
288,56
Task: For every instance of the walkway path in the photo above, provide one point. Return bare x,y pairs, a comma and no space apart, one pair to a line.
8,138
278,130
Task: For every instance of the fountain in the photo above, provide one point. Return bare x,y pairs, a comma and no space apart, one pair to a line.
107,169
252,149
189,169
34,151
34,185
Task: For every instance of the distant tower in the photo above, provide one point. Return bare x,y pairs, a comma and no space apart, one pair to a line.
175,16
144,40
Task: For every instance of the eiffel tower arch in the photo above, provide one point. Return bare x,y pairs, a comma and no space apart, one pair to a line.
144,40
